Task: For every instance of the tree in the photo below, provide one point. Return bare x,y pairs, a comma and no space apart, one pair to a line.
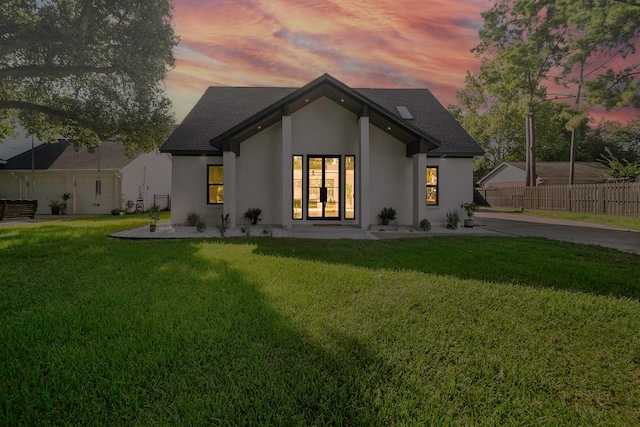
530,45
600,32
492,121
622,141
620,171
522,41
87,70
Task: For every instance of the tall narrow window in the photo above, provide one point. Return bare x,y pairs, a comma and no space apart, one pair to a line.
297,187
432,186
215,181
349,187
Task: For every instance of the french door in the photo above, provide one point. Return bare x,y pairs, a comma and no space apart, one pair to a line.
323,191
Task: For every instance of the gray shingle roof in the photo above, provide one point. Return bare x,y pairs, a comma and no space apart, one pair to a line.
63,156
223,108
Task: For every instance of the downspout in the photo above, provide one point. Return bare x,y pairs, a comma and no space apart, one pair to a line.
119,203
20,179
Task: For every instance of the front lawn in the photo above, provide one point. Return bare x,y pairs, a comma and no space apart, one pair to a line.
265,331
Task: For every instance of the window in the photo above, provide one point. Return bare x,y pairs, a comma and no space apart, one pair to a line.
432,186
297,187
349,187
215,181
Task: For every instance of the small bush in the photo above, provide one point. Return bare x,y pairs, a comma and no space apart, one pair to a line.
224,224
201,225
193,219
453,219
425,225
253,214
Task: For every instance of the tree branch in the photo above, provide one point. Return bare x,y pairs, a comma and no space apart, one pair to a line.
29,106
53,71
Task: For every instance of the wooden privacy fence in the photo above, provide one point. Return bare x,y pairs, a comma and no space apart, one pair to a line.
621,199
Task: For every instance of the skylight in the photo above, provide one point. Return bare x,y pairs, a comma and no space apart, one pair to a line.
404,112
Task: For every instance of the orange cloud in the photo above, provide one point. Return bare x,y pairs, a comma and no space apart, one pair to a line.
383,43
379,43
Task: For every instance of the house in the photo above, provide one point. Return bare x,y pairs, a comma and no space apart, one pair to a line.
513,174
97,181
322,154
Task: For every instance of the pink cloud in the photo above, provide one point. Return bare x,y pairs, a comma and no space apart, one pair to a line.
380,43
383,43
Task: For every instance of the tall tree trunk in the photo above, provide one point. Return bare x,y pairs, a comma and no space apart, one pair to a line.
530,136
572,155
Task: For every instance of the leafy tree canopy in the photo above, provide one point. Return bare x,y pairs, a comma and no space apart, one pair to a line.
87,70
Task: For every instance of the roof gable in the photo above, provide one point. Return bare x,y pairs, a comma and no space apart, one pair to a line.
226,116
63,156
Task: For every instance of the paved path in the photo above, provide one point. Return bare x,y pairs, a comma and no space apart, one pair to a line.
571,231
487,223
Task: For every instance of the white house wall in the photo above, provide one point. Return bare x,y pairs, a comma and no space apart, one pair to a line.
86,199
259,176
390,177
189,189
10,186
321,128
455,186
45,186
324,128
147,175
507,174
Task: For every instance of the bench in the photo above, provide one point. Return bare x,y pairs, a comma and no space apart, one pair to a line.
10,208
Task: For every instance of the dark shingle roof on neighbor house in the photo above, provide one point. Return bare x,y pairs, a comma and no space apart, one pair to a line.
228,111
552,172
63,156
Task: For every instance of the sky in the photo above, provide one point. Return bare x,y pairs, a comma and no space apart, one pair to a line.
374,43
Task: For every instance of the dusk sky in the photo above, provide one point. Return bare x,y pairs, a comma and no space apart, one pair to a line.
378,43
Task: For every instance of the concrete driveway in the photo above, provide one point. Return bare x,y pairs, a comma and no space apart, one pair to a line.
515,224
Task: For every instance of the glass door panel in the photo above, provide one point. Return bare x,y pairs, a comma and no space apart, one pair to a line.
297,187
323,199
332,185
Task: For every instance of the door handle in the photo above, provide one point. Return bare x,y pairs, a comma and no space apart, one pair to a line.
323,194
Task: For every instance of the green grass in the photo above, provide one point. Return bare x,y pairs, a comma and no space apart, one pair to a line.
435,331
624,222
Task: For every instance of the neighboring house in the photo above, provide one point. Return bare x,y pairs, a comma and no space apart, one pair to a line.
512,174
97,181
321,154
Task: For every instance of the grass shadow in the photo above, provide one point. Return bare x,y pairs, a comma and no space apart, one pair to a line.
527,261
135,333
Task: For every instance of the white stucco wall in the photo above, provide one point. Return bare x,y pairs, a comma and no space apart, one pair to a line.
50,185
321,128
455,186
507,173
146,175
391,177
259,176
189,189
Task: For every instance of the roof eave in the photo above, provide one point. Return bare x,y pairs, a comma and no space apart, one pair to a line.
352,100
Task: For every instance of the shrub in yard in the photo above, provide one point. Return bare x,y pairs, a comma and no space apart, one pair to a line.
193,219
224,224
425,225
453,219
201,225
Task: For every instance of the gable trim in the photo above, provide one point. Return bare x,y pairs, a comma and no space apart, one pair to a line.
340,93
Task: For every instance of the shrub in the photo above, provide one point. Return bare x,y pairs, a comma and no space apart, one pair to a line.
453,219
253,214
425,225
224,224
201,225
193,219
154,213
387,214
470,208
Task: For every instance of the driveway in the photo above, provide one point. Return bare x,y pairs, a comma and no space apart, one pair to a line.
572,231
